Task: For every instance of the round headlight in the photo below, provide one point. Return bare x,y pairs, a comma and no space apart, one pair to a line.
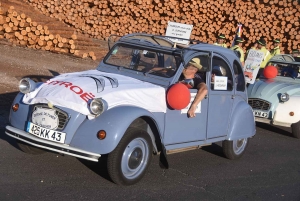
27,85
96,106
284,97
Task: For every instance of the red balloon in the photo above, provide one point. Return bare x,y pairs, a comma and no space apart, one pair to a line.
270,72
178,96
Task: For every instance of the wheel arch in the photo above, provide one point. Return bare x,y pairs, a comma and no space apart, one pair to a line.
115,123
242,124
149,125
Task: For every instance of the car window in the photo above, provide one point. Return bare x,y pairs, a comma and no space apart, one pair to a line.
238,76
143,60
221,77
283,57
204,62
286,69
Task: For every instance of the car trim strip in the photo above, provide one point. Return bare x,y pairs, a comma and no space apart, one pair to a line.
25,137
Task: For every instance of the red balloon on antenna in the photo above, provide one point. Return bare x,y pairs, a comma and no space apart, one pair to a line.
178,96
270,72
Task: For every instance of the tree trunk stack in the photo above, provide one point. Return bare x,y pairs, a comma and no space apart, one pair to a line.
70,25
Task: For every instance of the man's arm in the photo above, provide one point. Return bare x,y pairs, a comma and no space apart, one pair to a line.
202,91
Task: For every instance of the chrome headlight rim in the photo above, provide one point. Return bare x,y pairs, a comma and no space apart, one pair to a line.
284,97
97,106
26,85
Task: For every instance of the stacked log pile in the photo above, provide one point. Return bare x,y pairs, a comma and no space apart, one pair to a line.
41,32
260,18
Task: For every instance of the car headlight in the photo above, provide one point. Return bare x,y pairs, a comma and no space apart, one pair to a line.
284,97
97,106
27,85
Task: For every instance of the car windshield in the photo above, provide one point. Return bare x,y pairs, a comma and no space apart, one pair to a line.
143,60
286,69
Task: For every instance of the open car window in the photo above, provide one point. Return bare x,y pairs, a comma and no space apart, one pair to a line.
143,60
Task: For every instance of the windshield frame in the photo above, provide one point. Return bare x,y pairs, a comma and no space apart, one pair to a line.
158,80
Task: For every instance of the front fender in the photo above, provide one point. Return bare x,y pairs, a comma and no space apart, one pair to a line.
288,112
115,122
242,123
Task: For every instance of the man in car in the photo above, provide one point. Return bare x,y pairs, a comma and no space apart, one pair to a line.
192,80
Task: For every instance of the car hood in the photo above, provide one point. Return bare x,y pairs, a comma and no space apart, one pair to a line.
271,89
75,90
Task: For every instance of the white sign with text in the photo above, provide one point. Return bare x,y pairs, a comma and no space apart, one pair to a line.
198,110
220,83
179,30
252,64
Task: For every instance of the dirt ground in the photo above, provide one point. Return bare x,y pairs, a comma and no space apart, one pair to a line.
18,62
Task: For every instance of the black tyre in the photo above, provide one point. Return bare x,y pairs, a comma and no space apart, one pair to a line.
296,130
29,149
234,149
129,161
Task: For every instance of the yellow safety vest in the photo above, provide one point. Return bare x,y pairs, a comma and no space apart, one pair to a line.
221,45
275,51
266,58
238,48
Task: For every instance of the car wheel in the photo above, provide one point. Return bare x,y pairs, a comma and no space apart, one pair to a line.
29,149
296,130
129,161
234,149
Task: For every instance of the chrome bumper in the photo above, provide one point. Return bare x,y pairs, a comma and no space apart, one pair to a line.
60,148
268,121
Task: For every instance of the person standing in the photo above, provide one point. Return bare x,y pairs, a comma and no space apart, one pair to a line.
276,49
221,41
253,47
295,53
238,47
261,45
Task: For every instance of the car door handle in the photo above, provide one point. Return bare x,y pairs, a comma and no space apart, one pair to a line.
232,96
206,96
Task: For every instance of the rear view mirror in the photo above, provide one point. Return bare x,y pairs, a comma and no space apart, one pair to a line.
149,55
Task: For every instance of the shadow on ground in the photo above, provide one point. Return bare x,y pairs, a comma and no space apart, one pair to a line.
99,168
275,129
215,149
6,100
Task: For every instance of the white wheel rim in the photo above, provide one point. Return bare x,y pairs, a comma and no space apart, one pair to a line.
239,145
135,158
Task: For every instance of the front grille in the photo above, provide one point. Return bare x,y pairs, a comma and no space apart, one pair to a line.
63,117
259,104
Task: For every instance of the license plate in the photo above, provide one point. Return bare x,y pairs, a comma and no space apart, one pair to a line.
260,114
45,133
